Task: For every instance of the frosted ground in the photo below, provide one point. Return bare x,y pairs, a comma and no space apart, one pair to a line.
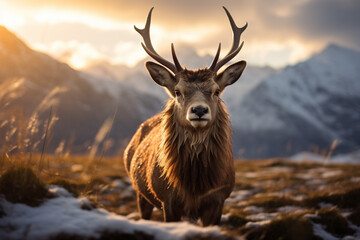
319,199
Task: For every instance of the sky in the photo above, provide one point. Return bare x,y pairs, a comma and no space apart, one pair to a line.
279,33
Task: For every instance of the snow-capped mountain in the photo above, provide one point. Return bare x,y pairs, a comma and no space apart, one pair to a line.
138,78
273,112
79,103
309,104
279,112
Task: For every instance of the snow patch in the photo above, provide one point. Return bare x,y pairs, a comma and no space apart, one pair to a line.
349,158
63,214
319,231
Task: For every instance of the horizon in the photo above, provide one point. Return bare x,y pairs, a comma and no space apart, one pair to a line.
80,34
185,47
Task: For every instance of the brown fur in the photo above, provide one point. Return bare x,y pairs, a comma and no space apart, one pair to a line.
184,171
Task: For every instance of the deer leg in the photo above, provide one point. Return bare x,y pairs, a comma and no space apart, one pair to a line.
210,213
145,208
172,212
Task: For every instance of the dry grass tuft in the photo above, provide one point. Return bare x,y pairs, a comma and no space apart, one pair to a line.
211,237
334,222
21,185
105,236
272,203
68,184
348,198
354,217
236,220
295,227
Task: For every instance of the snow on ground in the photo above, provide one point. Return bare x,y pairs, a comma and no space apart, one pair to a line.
64,214
352,158
319,231
237,196
262,195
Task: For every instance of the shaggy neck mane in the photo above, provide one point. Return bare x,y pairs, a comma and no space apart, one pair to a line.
195,161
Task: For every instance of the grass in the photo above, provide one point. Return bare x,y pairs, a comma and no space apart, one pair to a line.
26,169
70,185
354,217
237,220
334,222
295,227
95,179
21,185
348,198
272,203
105,236
268,189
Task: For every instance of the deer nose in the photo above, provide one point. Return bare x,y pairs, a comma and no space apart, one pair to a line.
199,111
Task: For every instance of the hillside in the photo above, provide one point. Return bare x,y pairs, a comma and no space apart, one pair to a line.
303,107
47,87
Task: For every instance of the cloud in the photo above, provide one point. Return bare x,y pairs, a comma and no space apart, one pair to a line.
279,31
77,54
330,20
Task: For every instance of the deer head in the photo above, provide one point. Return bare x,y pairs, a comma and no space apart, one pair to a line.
195,93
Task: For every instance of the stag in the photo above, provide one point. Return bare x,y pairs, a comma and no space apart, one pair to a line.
181,160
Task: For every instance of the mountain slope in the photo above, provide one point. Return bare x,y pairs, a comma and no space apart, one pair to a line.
309,104
80,107
274,112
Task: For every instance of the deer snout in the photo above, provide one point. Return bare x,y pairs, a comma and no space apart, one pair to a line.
200,111
198,115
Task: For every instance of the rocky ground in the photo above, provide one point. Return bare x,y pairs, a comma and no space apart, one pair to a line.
272,199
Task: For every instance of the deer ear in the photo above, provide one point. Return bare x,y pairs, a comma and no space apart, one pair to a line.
231,74
161,75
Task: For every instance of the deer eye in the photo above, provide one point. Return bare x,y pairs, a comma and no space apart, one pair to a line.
177,93
217,92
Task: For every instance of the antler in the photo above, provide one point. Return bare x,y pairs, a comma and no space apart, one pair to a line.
145,33
235,49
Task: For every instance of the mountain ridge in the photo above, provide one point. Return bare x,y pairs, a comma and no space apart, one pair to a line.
273,112
81,109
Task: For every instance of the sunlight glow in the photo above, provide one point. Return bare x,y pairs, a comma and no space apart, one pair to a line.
8,18
76,54
128,53
81,50
53,16
192,35
276,54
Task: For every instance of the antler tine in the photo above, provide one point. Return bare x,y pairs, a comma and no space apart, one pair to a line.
236,31
235,49
145,33
216,58
176,61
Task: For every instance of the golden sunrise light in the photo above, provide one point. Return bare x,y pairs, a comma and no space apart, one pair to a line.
232,119
80,34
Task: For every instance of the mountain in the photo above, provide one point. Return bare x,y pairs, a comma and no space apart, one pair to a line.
306,106
303,107
280,112
81,107
138,78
